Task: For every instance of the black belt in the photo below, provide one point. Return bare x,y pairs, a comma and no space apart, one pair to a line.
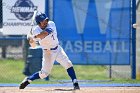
52,48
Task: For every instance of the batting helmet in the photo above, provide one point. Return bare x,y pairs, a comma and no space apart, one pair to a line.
40,17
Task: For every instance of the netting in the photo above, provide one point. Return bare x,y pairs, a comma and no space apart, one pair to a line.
95,34
98,33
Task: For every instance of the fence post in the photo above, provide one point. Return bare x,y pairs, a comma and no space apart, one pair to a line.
133,75
1,16
4,51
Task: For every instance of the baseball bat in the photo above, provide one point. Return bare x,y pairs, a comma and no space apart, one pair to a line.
31,41
32,21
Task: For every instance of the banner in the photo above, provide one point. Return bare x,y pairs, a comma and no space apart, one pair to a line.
94,31
17,15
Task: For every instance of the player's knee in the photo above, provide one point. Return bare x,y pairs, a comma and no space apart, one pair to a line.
43,74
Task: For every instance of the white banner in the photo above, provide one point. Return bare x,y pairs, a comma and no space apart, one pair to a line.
17,15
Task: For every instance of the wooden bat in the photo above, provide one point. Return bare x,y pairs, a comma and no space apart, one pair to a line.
31,41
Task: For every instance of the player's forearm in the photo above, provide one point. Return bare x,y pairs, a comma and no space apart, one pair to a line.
41,35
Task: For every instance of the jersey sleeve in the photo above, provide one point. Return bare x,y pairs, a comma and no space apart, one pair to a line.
52,25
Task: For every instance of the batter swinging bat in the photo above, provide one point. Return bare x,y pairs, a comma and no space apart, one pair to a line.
31,41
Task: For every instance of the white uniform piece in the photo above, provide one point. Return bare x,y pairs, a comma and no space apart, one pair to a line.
49,56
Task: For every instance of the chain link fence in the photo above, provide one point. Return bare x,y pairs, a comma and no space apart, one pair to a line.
16,61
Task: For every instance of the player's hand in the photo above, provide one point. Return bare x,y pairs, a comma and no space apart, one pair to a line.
32,42
29,35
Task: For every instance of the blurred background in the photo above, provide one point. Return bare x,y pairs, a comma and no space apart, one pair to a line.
97,35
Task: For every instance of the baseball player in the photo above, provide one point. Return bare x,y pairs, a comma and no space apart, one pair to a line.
46,34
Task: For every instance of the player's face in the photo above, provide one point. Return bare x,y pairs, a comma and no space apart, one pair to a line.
44,23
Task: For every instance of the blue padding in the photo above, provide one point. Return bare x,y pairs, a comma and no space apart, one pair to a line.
92,36
70,85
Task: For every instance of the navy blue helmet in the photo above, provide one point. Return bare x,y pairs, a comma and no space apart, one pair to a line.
40,17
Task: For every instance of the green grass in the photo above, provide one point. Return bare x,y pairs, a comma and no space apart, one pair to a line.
11,72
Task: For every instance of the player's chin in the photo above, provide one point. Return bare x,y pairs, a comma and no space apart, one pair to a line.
44,26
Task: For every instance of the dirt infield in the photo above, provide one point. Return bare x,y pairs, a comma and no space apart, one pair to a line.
70,90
